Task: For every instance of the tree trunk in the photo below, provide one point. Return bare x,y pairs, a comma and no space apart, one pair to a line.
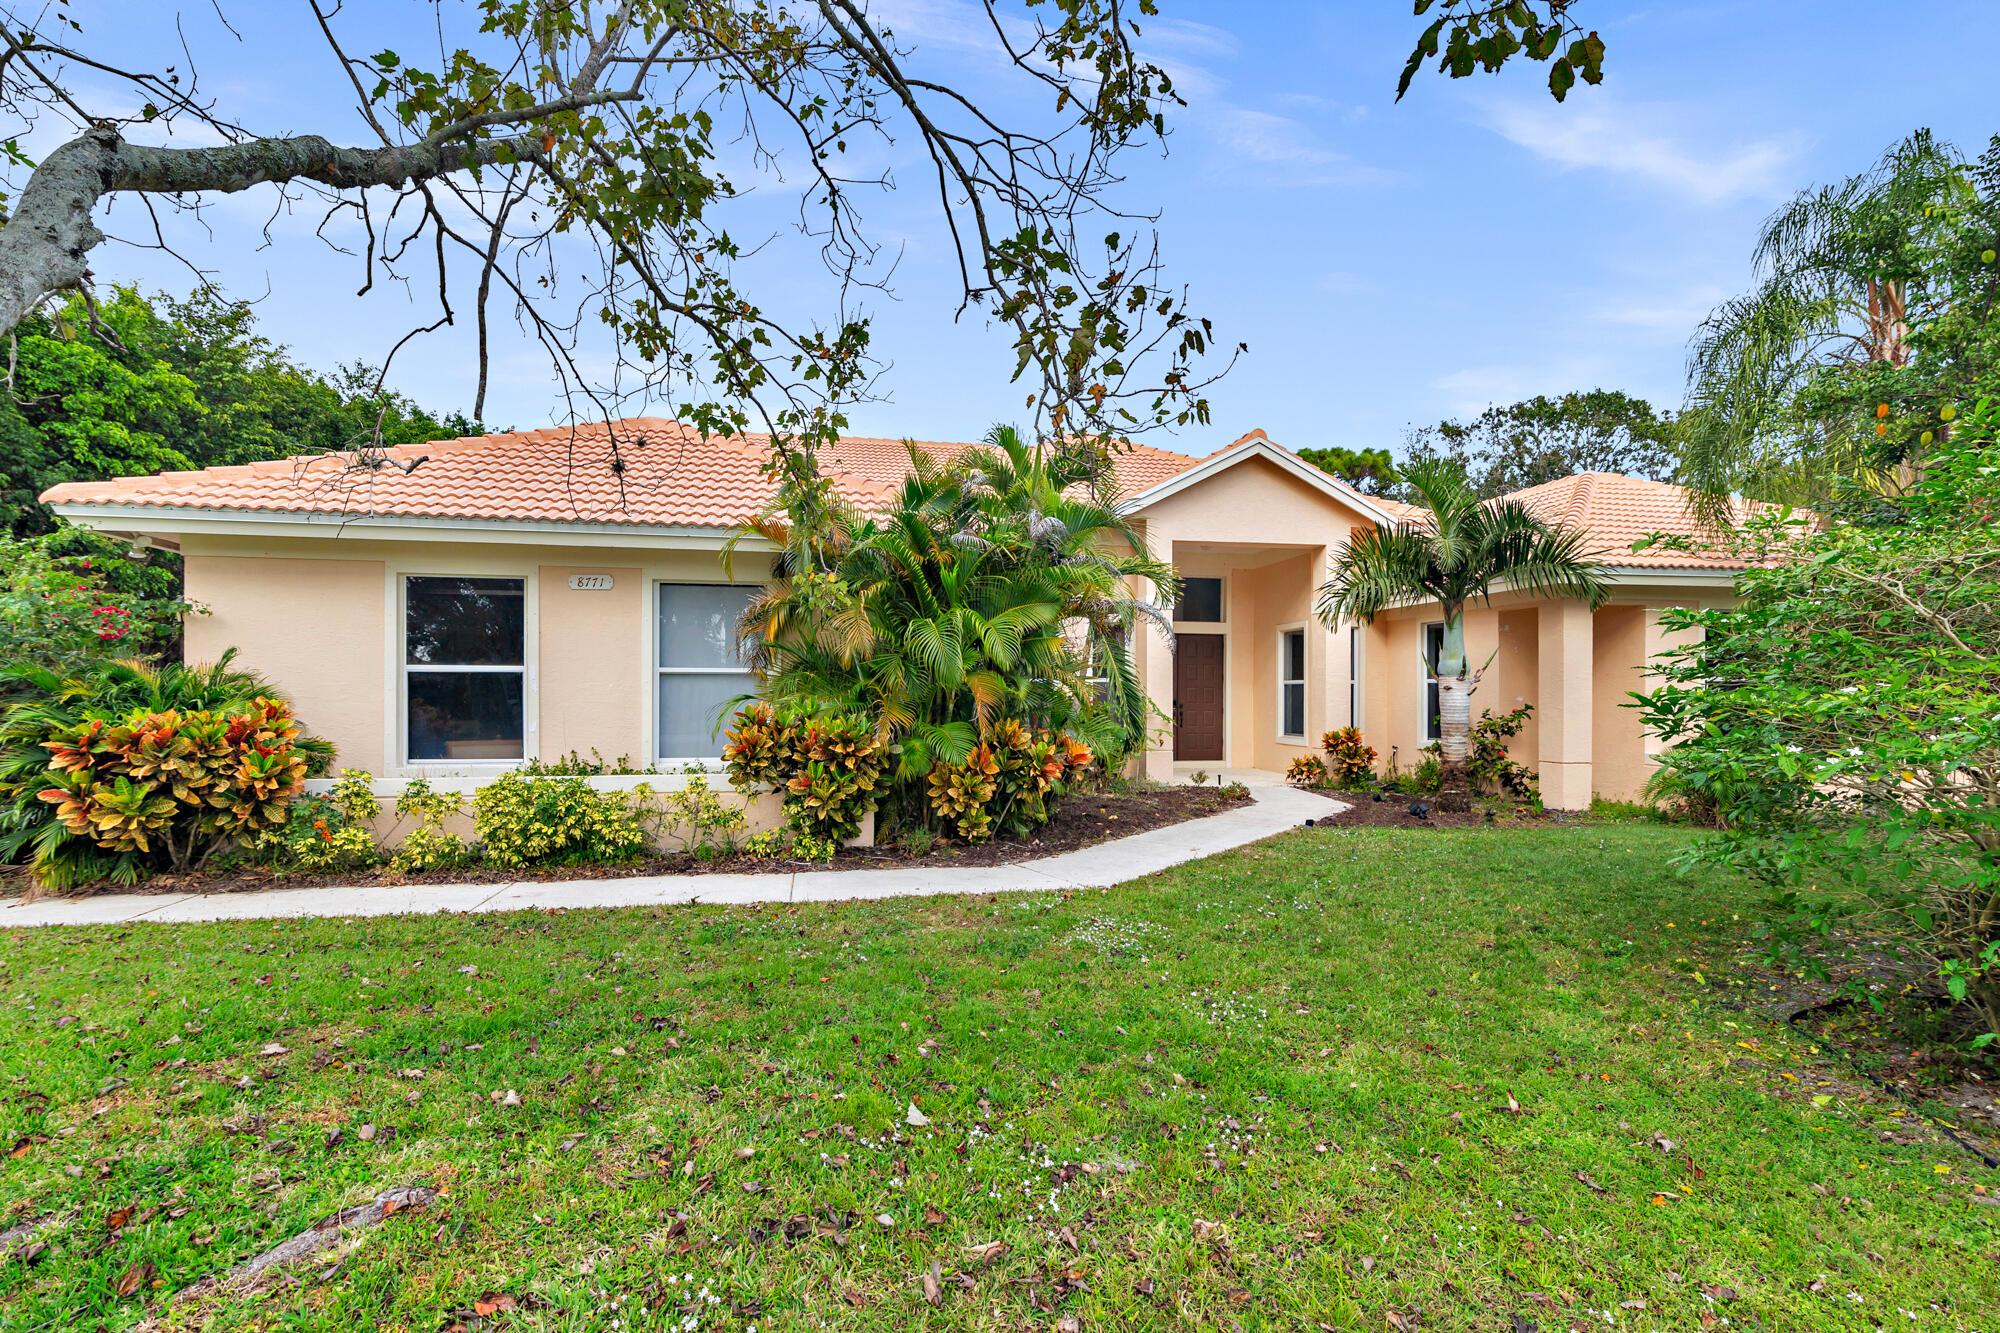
45,245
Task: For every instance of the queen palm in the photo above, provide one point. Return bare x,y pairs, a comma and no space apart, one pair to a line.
1460,550
1848,277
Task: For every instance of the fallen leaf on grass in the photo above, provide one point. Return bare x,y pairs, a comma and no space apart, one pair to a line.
933,1287
987,1252
133,1278
275,1048
914,1118
492,1303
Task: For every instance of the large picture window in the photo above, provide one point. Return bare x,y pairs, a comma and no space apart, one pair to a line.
1292,684
700,666
464,668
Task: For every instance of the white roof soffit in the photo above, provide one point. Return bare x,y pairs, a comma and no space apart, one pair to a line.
166,520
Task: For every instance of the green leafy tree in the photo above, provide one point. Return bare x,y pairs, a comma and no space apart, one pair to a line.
68,613
1876,314
1369,470
550,148
1461,549
133,386
1840,721
1545,439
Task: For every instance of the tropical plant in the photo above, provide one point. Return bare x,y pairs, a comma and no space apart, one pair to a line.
995,587
1460,549
1350,760
61,612
1308,771
527,821
41,703
167,789
1873,315
1840,723
1488,763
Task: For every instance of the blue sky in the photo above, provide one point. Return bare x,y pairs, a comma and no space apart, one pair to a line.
1387,263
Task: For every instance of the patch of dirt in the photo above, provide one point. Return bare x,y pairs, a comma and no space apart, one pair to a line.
1911,1046
1393,810
1081,820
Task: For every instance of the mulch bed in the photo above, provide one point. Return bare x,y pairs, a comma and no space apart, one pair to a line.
1080,821
1393,810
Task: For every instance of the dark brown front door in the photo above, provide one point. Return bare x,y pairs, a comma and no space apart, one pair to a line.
1198,696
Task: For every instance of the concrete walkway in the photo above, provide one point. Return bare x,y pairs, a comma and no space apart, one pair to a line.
1274,809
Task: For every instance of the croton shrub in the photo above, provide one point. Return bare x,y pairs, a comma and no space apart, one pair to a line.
171,788
831,771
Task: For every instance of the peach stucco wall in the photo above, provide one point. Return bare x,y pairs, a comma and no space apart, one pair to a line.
1577,669
319,618
314,627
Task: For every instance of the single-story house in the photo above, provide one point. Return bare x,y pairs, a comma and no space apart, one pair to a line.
471,603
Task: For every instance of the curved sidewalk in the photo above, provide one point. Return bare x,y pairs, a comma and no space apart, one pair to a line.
1273,809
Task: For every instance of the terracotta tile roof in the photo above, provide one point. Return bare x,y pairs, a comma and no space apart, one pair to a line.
671,476
1618,510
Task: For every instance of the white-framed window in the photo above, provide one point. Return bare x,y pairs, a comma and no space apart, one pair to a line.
465,669
1292,683
1433,649
1201,602
699,666
1354,675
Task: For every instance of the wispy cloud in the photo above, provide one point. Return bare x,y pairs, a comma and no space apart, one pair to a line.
1284,151
1675,314
1472,390
1648,142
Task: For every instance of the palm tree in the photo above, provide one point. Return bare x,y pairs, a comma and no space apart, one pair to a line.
1461,549
1845,274
989,588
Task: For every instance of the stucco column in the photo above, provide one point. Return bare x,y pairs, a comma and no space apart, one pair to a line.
1564,641
1156,671
1326,659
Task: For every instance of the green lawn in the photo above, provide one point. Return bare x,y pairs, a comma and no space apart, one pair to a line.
1273,1088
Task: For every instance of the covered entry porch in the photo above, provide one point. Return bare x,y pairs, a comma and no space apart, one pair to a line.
1251,679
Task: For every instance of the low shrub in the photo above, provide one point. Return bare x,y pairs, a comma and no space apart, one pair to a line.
697,819
1005,784
428,844
1486,761
1308,771
1350,761
827,768
524,821
169,789
329,833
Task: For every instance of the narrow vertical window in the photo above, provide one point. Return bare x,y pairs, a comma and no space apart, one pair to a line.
464,669
1292,684
701,666
1433,649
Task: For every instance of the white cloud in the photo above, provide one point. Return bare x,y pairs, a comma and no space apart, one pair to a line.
1676,314
1640,140
1288,150
1470,391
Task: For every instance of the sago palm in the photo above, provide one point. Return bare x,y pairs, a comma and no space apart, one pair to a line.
1461,549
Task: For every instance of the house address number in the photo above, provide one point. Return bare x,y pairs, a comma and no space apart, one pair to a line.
589,582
